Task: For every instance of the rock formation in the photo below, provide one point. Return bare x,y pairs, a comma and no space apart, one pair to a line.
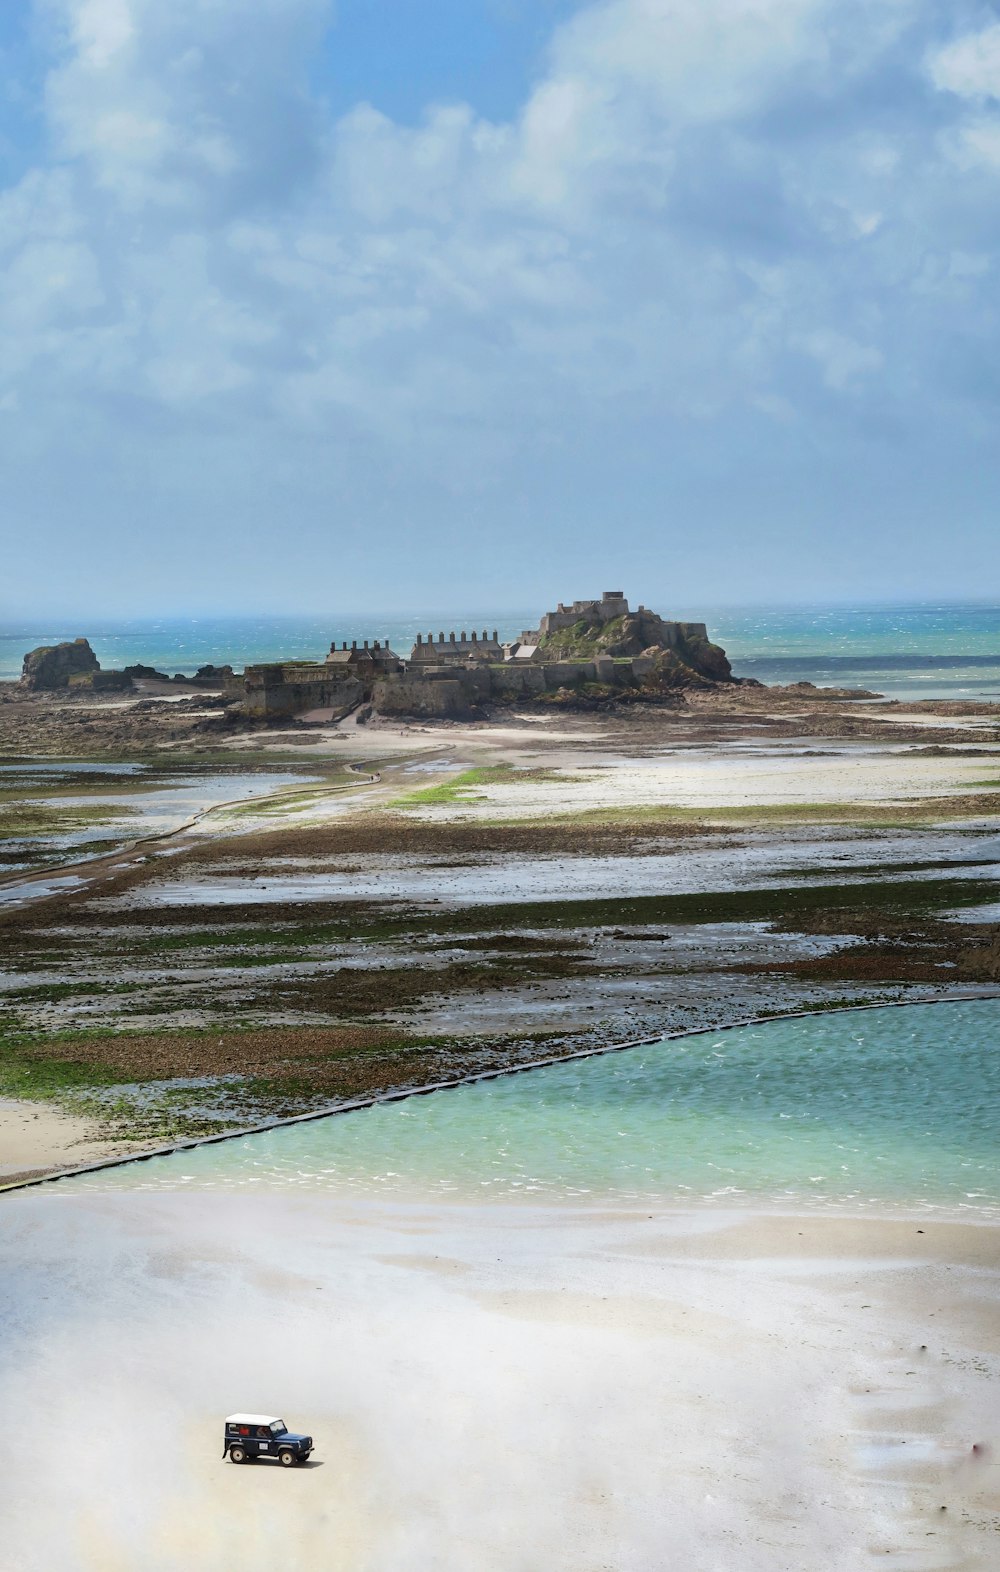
57,665
695,658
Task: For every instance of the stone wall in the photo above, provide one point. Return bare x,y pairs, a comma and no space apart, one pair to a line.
435,699
284,691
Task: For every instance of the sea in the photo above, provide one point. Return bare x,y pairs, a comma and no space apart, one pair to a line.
905,652
858,1110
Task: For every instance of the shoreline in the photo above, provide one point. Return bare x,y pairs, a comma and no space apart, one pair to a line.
36,1136
22,1111
505,895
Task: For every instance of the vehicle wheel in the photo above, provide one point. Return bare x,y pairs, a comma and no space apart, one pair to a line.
286,1459
237,1454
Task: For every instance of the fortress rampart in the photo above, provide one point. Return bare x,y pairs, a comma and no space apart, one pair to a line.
610,648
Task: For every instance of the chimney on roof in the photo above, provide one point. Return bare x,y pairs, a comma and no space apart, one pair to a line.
441,638
366,643
474,639
420,638
495,639
463,636
354,644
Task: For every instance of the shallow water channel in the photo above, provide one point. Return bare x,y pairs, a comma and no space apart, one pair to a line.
893,1107
43,819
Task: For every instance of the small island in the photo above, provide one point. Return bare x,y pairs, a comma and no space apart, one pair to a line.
588,655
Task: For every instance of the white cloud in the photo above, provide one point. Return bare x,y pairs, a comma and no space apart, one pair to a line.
101,29
696,215
611,240
976,143
694,60
970,66
174,103
845,363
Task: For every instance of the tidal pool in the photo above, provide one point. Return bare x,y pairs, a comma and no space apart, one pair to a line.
797,859
138,802
883,1108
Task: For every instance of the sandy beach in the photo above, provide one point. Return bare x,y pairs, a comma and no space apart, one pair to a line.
36,1138
499,1387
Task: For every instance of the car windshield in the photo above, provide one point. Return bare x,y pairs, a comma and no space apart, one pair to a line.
278,1427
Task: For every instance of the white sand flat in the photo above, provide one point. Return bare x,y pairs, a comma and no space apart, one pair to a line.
497,1388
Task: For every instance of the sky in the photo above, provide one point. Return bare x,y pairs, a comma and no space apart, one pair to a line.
404,303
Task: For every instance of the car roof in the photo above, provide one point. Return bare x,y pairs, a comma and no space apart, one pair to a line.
253,1419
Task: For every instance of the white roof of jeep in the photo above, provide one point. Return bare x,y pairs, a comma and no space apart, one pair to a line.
254,1419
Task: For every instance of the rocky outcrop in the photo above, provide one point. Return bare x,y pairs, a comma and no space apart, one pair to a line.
204,677
109,682
212,675
53,666
668,670
694,658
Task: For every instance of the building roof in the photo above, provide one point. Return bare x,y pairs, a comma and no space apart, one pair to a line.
355,656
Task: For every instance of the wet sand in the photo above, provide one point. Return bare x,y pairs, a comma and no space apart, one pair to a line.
37,1137
599,877
505,1388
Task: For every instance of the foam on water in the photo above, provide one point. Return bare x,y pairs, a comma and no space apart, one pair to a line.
866,1109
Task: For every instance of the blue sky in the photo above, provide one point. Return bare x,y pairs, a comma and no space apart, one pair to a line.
488,301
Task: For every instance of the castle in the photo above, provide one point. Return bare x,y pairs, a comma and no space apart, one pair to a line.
613,651
612,604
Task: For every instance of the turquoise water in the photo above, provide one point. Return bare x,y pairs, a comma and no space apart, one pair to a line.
182,644
927,651
904,652
895,1107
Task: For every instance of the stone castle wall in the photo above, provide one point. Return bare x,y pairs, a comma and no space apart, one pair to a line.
612,604
285,691
436,699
